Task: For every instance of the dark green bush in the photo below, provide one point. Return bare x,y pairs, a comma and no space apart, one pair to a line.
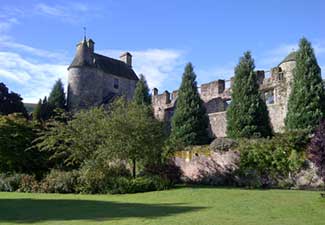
122,185
96,175
270,162
60,182
166,170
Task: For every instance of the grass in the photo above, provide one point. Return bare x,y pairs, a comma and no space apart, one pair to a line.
186,205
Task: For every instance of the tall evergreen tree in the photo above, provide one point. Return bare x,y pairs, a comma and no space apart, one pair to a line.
189,122
37,111
306,104
247,115
57,96
46,110
141,93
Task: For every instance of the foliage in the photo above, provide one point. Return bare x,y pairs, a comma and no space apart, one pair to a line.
60,182
132,134
306,104
189,122
247,115
10,102
141,93
28,183
268,161
122,185
16,136
222,144
97,175
57,96
9,183
128,132
72,141
317,149
43,110
166,170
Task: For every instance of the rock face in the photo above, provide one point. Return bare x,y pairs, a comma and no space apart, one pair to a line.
214,168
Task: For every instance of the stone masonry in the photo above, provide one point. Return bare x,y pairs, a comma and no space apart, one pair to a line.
275,90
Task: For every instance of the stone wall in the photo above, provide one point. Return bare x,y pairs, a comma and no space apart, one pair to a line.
218,124
88,87
275,89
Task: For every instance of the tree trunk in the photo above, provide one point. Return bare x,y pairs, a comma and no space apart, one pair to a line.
134,168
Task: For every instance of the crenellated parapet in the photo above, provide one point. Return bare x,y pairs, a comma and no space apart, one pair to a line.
274,86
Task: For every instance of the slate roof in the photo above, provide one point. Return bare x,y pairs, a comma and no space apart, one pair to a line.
106,64
114,66
290,57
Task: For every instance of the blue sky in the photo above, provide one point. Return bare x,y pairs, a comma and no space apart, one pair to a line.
38,38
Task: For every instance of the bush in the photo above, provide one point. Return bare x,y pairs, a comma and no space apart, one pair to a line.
28,183
270,162
60,182
167,170
95,176
123,185
222,144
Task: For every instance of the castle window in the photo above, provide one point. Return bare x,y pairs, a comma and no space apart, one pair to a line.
269,96
116,83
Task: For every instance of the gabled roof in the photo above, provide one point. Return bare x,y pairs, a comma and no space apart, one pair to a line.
106,64
290,57
115,67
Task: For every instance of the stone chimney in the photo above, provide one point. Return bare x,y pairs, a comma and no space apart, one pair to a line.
127,58
91,45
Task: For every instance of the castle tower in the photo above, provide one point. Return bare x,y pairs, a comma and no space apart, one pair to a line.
95,79
84,84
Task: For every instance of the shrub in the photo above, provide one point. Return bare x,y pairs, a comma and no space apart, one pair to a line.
269,162
60,182
123,185
222,144
317,149
96,175
28,183
167,170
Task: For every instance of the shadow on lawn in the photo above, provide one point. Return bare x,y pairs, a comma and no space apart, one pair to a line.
37,210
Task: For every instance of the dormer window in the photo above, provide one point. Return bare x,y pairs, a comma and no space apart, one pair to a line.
116,83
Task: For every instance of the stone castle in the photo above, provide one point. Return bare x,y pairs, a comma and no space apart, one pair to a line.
94,79
216,96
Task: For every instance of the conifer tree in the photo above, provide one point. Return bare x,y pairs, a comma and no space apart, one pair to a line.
247,115
46,109
306,104
57,97
189,122
37,111
141,93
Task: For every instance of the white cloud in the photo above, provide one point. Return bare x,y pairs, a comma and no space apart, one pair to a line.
71,12
157,65
34,79
18,47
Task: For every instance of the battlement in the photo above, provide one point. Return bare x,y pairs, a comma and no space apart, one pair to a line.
216,95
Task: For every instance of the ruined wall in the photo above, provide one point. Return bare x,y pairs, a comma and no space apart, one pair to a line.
274,89
218,124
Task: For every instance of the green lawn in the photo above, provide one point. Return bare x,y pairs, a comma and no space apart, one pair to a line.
186,205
